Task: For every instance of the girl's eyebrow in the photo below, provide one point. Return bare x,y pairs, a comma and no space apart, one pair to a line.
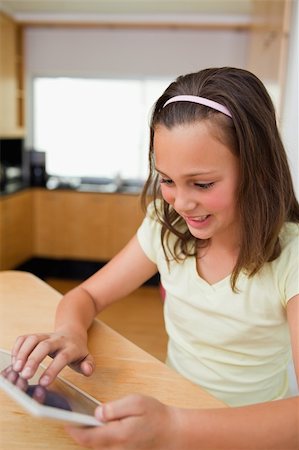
160,171
195,174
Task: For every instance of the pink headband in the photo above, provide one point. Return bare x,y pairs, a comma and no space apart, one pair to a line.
200,101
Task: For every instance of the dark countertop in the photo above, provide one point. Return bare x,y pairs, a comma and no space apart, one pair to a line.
102,185
12,187
17,186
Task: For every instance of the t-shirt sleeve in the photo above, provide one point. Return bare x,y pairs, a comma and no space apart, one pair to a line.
289,267
292,281
148,234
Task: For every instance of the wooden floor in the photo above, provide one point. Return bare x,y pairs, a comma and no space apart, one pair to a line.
138,317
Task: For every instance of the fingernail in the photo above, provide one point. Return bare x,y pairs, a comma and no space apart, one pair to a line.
99,413
18,365
26,372
44,380
88,369
39,392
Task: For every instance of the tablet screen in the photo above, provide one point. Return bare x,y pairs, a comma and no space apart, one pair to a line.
61,396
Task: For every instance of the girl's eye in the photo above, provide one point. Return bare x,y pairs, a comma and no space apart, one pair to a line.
204,185
165,181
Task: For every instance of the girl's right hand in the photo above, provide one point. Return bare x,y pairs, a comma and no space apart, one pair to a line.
64,347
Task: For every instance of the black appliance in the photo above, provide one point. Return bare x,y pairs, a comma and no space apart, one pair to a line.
11,161
37,164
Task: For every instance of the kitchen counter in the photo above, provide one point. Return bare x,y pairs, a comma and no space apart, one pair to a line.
105,185
18,186
65,224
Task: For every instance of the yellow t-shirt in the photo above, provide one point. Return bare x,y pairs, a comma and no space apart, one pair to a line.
234,345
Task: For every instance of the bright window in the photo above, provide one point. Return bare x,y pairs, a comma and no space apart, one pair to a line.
94,127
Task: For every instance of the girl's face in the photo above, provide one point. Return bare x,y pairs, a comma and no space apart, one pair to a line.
199,178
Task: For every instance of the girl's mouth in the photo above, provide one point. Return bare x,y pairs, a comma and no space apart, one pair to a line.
198,221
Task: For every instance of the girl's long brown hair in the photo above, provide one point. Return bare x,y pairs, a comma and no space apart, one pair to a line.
266,198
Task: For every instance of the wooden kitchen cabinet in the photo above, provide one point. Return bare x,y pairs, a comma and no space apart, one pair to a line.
11,79
268,45
16,229
81,225
126,216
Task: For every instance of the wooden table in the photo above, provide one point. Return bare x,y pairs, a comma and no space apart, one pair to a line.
27,305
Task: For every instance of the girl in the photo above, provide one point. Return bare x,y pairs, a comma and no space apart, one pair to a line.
222,230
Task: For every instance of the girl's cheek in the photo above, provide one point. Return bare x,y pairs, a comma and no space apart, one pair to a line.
219,200
217,203
166,194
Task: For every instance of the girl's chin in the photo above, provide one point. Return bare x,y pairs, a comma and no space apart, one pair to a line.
200,234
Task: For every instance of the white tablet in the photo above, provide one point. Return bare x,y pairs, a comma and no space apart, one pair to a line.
60,401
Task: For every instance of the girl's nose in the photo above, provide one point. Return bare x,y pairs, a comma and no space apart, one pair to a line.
184,202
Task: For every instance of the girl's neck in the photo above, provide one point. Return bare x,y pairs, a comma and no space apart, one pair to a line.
217,260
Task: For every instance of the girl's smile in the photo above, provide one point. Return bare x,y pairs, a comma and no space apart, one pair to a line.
199,178
197,222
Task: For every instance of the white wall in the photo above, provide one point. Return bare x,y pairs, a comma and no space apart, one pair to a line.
290,118
130,52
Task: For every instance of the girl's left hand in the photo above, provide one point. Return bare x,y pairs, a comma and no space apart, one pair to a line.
135,422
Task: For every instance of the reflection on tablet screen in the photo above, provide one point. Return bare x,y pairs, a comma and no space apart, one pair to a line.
48,397
71,398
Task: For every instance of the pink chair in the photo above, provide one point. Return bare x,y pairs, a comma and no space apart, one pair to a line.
162,292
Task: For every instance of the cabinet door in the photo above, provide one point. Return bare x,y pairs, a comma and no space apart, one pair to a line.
16,229
50,211
11,79
79,225
70,225
125,217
